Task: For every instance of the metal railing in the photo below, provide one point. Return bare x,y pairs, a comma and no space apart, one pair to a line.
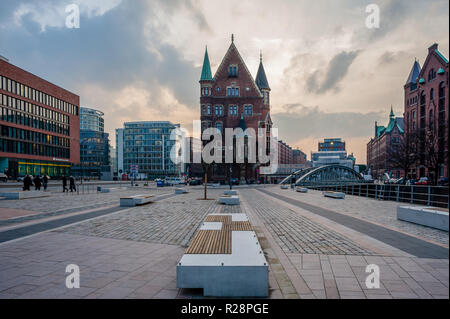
436,196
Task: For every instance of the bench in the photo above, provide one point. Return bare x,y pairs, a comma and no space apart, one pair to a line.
284,186
301,189
229,200
426,216
180,191
103,190
137,200
230,192
336,195
225,259
22,195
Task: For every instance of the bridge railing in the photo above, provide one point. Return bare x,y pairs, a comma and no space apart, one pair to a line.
436,196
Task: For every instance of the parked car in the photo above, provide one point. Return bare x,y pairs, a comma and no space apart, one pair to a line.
423,181
235,181
195,182
443,181
3,177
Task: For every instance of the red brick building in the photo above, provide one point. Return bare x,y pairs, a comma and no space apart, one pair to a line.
426,111
298,157
232,99
285,154
39,125
381,146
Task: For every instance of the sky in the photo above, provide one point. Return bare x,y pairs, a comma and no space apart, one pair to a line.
139,60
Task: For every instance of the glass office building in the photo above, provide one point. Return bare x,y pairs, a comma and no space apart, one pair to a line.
143,150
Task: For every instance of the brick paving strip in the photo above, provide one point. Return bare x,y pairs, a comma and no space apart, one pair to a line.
28,230
402,241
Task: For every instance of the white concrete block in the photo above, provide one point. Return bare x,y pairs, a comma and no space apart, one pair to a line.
336,195
22,195
284,186
135,200
243,273
301,189
180,191
230,192
423,216
229,200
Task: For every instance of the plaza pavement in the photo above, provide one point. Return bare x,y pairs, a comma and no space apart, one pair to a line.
132,253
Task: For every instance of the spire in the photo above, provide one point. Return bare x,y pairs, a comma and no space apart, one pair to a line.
232,38
206,70
261,79
414,74
392,115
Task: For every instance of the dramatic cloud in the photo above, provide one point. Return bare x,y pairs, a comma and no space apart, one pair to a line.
141,59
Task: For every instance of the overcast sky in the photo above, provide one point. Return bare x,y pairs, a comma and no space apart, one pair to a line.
136,60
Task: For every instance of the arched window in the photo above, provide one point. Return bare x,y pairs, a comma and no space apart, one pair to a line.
431,120
431,94
422,98
431,75
441,95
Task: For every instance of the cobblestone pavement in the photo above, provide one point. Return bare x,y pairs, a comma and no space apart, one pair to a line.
297,234
381,212
173,221
133,254
65,203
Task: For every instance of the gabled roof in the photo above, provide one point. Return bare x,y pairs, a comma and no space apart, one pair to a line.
393,122
414,74
261,79
441,55
232,50
206,70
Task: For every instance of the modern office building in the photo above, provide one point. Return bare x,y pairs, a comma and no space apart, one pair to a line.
332,152
39,125
426,114
381,146
95,160
143,150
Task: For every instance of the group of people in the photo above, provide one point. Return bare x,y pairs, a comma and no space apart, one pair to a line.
39,182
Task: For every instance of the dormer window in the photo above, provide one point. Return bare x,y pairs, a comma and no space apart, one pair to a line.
233,71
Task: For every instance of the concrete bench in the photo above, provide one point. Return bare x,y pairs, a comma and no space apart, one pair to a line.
423,216
230,192
22,195
336,195
103,190
225,259
229,200
301,190
284,186
179,191
136,200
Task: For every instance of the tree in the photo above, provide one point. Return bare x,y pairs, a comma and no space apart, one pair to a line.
404,154
434,157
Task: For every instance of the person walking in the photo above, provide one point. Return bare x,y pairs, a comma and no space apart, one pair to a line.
64,182
45,182
72,184
27,183
37,183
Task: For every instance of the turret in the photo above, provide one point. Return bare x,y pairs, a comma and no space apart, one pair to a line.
262,83
206,78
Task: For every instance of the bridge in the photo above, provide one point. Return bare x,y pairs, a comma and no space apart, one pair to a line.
324,175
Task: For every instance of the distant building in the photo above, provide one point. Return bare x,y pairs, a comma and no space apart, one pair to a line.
332,152
143,150
95,159
381,145
298,157
39,125
113,160
285,155
426,109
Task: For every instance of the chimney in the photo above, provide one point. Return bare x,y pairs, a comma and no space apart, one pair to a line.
433,48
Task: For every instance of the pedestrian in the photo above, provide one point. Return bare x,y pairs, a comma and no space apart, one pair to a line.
37,183
64,182
72,184
26,183
45,182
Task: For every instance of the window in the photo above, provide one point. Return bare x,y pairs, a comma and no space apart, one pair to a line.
248,110
219,110
431,120
208,110
232,71
266,98
233,110
432,94
219,126
431,75
232,91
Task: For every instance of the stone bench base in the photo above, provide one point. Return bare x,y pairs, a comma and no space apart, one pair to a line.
136,200
242,271
423,216
284,187
229,200
336,195
230,192
180,191
22,195
301,189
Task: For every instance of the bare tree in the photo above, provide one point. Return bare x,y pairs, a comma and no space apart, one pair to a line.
434,157
404,154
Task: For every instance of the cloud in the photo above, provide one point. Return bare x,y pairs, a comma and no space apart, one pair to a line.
336,71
